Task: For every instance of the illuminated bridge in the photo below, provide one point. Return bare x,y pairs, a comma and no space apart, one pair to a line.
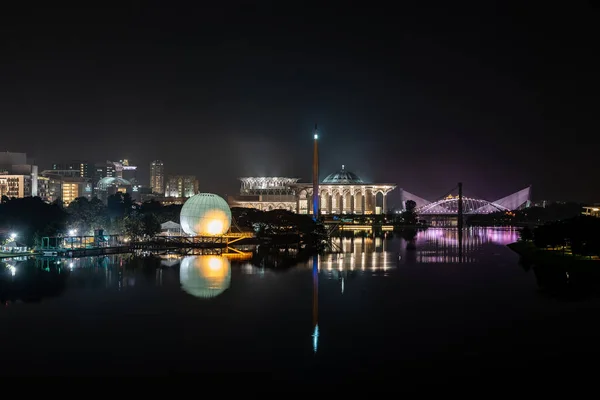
471,206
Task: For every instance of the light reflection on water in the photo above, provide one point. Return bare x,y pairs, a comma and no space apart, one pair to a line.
199,276
370,287
434,245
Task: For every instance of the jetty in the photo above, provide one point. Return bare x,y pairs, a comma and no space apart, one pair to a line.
100,244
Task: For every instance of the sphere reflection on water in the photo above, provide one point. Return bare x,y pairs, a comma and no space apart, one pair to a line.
205,276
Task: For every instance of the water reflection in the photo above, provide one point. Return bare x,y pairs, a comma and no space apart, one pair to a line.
209,275
569,281
444,245
205,276
22,281
169,260
315,305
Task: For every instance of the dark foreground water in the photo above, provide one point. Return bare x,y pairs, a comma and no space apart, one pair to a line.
375,310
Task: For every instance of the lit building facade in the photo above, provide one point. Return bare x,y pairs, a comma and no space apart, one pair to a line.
181,186
20,176
81,169
342,192
54,186
74,188
157,177
49,187
15,185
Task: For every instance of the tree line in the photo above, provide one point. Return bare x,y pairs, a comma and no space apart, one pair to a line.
31,218
580,235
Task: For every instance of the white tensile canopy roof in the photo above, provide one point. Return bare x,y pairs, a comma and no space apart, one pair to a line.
170,225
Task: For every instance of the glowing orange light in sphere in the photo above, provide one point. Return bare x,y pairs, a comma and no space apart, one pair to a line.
205,214
213,223
205,276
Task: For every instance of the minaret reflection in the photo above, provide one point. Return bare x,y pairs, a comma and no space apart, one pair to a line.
460,243
460,223
315,312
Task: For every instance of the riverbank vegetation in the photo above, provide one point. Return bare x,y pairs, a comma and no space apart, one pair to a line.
564,256
31,219
279,226
574,241
528,216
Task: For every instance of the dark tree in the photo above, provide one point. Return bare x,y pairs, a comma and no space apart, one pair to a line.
32,218
162,213
409,216
137,225
150,225
87,215
526,234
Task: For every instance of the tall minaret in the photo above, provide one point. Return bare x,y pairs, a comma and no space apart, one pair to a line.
316,176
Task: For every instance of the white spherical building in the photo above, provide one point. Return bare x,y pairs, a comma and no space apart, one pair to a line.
205,214
205,276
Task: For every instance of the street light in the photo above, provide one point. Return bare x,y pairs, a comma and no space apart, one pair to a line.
13,236
72,232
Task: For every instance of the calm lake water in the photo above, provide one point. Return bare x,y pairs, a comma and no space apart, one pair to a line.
372,309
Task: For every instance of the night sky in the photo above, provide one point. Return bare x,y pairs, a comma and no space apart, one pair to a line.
496,98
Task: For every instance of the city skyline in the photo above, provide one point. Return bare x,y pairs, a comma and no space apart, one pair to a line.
495,99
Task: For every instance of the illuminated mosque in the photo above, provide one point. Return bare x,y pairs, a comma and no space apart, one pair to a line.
342,192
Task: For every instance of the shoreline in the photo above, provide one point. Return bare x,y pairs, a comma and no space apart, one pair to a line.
550,258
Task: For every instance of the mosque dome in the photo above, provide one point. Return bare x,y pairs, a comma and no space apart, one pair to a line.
205,214
343,176
104,183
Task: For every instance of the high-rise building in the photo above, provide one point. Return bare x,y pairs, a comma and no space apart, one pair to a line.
181,186
104,170
157,177
129,171
82,168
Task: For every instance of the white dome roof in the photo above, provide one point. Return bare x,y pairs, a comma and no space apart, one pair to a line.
104,183
205,214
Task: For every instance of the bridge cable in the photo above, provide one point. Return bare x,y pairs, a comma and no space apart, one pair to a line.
446,195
